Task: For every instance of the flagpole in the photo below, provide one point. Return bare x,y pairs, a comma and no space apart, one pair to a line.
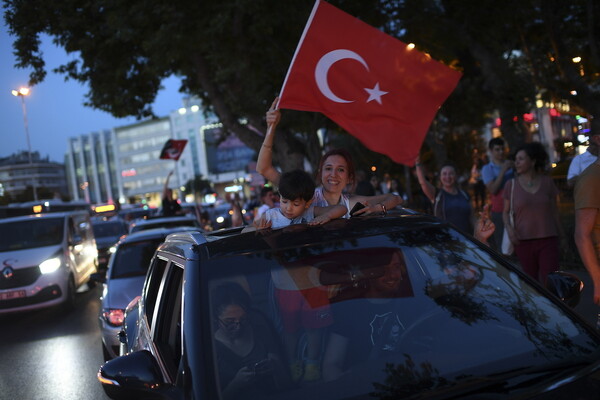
308,23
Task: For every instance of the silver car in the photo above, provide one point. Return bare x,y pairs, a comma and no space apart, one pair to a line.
124,280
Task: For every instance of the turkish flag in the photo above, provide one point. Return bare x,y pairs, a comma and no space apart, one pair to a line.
377,88
172,149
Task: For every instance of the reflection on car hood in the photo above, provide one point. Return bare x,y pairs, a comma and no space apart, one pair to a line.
27,257
121,291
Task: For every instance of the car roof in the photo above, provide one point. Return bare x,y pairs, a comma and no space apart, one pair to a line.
42,216
155,233
232,242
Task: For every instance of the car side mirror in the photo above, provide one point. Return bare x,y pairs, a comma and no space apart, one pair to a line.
133,376
565,286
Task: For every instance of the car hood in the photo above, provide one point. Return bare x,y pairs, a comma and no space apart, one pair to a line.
27,257
121,291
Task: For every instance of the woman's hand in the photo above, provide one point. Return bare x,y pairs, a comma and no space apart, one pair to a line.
484,227
244,376
369,209
273,115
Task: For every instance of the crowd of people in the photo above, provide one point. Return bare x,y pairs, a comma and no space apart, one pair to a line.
516,198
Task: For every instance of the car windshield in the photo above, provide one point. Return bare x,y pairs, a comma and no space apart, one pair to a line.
132,259
109,228
31,233
385,316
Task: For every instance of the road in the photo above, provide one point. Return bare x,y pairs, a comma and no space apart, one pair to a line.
49,354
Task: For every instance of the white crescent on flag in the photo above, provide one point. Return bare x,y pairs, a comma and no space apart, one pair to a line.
325,63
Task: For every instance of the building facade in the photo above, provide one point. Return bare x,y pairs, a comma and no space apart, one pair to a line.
90,165
18,174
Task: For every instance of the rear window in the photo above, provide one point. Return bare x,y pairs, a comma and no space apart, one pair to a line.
133,259
385,316
31,233
108,229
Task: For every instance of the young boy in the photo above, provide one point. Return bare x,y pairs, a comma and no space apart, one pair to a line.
303,302
296,190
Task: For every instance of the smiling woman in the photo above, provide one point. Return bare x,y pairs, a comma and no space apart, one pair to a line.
335,176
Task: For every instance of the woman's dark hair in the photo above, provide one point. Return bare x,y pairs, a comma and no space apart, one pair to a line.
537,153
228,294
344,154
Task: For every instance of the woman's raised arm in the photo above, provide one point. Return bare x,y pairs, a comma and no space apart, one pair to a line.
264,164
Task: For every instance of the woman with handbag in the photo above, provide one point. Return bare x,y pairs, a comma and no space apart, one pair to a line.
531,214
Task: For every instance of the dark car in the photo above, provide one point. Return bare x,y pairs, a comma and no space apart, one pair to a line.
403,307
164,222
107,233
124,281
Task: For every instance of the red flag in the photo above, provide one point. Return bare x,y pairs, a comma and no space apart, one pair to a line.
377,88
172,149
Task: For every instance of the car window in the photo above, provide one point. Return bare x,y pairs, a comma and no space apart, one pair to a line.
389,315
31,233
133,259
152,287
167,332
107,229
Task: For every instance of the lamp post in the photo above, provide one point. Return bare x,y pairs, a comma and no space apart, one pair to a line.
22,92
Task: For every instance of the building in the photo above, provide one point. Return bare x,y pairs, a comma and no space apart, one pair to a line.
140,173
46,177
90,167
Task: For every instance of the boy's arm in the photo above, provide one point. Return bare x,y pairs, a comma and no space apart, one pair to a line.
326,214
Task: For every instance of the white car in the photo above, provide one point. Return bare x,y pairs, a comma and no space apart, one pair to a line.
44,259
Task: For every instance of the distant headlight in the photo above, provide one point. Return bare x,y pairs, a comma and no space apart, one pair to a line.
114,316
220,220
112,249
50,265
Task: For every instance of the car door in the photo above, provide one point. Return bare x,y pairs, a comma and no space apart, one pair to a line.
166,321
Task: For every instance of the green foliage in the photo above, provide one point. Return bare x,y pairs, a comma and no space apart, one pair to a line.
234,55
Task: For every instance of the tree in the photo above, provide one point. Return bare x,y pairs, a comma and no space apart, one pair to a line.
232,54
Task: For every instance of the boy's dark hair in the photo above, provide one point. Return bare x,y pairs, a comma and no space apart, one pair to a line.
497,141
296,184
265,190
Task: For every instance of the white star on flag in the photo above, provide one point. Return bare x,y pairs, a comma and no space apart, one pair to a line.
375,93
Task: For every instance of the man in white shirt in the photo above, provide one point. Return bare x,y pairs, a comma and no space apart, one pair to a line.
581,161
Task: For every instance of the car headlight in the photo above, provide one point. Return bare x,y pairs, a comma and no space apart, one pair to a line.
220,220
114,316
50,265
112,249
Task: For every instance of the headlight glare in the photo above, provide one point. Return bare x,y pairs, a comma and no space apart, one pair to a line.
50,265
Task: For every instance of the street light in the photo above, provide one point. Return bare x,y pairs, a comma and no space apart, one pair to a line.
22,92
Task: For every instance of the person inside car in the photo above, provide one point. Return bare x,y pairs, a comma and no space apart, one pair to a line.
371,328
247,353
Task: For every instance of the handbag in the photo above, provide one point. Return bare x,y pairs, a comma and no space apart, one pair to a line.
507,246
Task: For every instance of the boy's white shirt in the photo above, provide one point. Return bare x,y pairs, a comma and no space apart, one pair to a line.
278,220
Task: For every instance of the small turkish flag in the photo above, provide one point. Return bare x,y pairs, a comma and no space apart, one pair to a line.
377,88
172,149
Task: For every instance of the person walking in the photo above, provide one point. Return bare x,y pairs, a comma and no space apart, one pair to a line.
581,161
587,219
450,202
495,174
535,228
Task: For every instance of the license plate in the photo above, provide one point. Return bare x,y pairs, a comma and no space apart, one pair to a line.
12,295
